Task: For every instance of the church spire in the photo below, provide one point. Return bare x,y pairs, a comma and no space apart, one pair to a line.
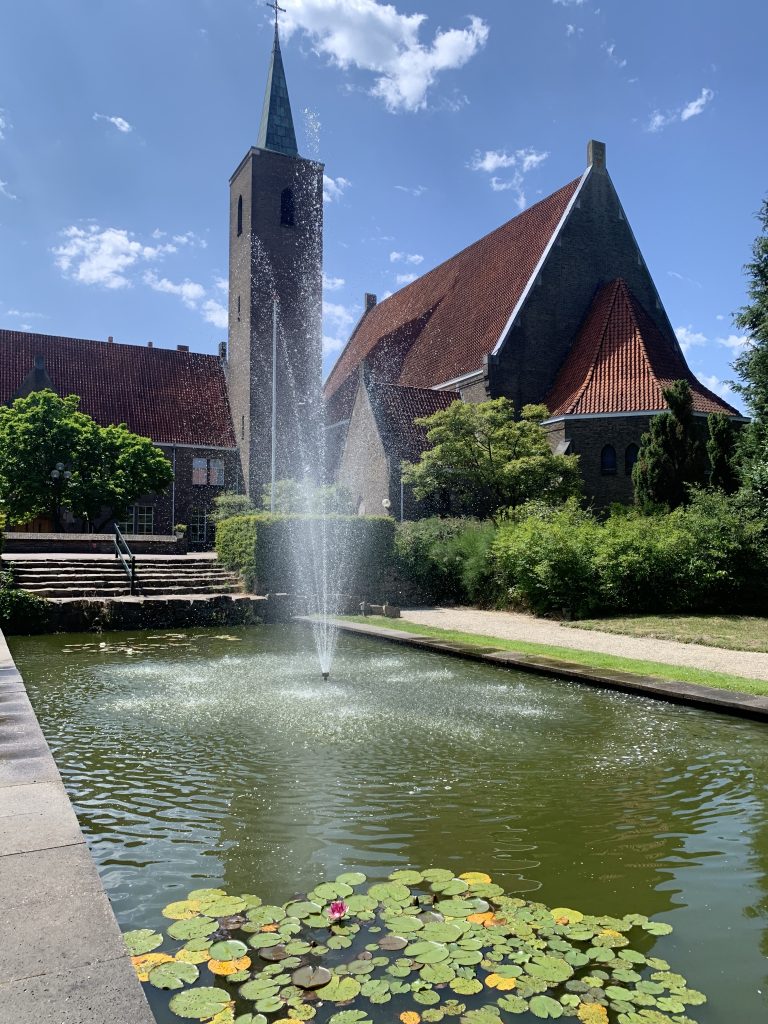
276,131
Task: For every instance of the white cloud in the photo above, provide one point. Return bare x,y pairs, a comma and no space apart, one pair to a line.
5,191
521,162
222,284
681,277
610,49
334,188
332,345
736,342
572,30
695,107
404,279
688,337
376,37
92,256
418,191
414,258
191,239
720,387
569,3
216,314
332,284
119,122
190,292
27,315
340,317
719,317
659,120
5,124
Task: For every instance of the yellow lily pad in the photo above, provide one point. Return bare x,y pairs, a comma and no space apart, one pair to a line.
144,964
182,910
225,967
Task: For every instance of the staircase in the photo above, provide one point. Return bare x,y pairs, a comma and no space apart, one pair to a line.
104,578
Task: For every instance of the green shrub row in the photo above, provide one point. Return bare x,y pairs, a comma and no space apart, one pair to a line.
21,613
273,553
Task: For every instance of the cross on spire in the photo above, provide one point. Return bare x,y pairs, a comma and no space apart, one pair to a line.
275,6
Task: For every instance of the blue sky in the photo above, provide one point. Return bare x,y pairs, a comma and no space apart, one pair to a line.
437,121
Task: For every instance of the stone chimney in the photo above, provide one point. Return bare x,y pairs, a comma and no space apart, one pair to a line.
110,340
370,301
222,351
150,344
596,155
182,348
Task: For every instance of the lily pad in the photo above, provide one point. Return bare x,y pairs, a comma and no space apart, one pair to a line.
182,910
142,940
200,1003
428,952
310,977
231,949
221,906
544,1006
393,942
195,928
341,989
174,974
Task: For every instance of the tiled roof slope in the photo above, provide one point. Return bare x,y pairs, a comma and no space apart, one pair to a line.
621,362
396,408
168,395
441,326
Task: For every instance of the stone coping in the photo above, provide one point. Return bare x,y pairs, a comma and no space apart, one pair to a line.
728,702
63,958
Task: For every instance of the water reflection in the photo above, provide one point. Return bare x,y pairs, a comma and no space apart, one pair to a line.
226,757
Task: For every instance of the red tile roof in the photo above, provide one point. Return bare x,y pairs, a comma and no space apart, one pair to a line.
441,326
396,408
168,395
621,362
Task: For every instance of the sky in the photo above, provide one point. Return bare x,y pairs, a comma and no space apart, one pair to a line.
437,121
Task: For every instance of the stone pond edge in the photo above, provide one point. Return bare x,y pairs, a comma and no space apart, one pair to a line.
729,702
52,899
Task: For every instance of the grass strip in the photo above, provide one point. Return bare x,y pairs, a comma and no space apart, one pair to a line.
590,659
734,632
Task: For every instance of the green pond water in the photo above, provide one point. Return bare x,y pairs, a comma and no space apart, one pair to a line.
222,758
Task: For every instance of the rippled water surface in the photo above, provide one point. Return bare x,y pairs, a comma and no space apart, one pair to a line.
223,757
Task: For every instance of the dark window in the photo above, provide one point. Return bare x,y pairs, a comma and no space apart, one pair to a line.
238,307
287,208
608,461
198,526
242,427
630,458
199,472
240,215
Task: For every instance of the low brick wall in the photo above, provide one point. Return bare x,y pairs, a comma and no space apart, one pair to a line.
51,898
90,544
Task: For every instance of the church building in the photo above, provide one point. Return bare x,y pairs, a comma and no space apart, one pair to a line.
556,306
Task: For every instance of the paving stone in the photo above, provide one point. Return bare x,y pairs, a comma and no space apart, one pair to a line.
50,874
104,993
36,817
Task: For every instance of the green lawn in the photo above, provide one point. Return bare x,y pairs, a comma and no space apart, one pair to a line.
736,632
592,659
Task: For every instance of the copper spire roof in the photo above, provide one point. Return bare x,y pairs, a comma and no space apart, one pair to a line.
621,362
443,325
172,396
276,131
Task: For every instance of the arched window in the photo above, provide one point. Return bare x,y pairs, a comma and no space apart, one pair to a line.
238,307
608,461
240,215
287,208
630,458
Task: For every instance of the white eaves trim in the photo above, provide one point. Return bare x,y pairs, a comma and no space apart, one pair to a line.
542,261
621,415
466,378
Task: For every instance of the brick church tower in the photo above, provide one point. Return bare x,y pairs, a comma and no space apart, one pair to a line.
275,249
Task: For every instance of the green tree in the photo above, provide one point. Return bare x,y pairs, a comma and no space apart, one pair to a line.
110,466
671,457
486,460
304,498
721,453
229,504
752,364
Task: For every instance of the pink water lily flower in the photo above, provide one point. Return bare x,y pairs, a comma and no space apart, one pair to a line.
337,910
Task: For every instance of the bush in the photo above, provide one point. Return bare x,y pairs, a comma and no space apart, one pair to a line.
445,560
273,553
21,613
544,557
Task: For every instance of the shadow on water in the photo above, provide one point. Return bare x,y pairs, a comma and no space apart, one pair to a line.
225,757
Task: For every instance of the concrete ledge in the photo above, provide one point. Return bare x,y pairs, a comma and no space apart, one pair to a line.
729,702
52,901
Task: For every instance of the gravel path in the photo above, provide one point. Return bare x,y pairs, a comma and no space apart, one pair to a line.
516,626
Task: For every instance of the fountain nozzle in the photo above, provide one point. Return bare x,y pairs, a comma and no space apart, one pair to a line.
326,675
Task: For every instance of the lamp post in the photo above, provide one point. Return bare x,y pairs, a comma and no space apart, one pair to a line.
60,475
274,400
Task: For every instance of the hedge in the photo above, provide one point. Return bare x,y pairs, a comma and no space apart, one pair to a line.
275,553
21,613
439,560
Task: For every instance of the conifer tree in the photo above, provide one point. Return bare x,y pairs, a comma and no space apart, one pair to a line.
671,457
721,453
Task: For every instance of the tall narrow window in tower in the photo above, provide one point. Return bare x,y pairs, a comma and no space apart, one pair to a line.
287,208
608,461
240,215
238,307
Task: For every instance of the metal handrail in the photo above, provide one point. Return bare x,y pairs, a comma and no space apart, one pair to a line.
130,564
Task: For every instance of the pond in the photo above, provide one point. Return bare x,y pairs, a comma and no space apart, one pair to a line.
222,758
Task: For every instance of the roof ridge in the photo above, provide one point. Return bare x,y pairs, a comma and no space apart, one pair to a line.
9,334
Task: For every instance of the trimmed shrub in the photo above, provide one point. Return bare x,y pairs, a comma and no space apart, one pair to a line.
544,558
273,553
445,560
21,613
